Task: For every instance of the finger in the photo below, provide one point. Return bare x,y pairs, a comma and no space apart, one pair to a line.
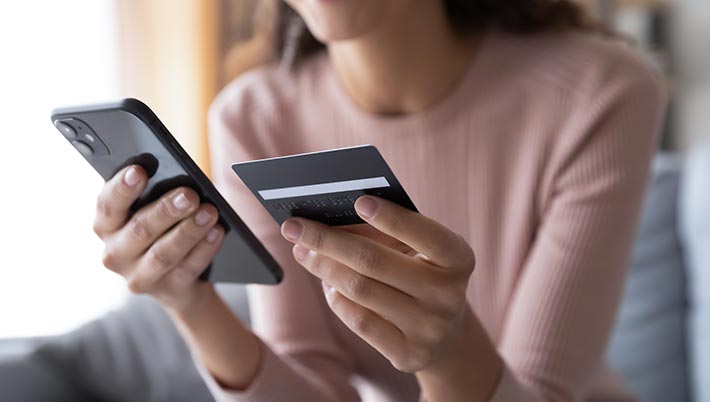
170,249
370,232
389,303
440,245
152,221
373,329
112,205
365,256
201,256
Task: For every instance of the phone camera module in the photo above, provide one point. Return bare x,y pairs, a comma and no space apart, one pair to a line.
81,136
83,148
67,130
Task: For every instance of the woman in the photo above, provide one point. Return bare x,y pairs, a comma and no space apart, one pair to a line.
522,135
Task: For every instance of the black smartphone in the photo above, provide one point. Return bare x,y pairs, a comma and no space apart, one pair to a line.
111,136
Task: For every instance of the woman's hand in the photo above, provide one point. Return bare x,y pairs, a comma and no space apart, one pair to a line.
405,293
164,246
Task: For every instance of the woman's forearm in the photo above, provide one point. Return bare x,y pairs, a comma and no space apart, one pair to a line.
229,350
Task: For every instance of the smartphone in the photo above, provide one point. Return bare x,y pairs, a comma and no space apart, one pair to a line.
111,136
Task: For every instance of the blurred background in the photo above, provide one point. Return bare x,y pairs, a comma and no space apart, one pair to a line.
175,55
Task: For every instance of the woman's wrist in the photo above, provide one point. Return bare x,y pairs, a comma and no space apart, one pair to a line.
200,301
469,370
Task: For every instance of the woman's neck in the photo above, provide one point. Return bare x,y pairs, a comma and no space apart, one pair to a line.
407,65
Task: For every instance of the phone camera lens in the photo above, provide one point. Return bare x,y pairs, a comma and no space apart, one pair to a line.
83,147
65,129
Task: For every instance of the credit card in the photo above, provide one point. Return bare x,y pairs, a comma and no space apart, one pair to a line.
323,185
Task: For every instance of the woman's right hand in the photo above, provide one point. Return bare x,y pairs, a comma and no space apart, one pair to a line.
163,248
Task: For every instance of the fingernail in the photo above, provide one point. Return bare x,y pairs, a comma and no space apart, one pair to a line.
202,218
292,230
367,206
328,290
301,253
212,235
181,202
131,178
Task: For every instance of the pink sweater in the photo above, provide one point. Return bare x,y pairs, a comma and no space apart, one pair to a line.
538,157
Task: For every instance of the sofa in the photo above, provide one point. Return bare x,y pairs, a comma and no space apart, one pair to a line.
660,344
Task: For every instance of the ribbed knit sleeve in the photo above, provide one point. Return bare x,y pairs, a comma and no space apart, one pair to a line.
301,359
561,313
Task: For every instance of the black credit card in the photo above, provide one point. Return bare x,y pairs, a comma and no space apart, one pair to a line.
323,185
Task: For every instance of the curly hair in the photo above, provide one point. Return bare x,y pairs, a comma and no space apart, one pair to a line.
293,42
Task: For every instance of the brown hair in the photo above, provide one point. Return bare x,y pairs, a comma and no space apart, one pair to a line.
291,42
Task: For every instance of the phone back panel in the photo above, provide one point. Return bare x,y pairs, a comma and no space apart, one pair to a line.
127,132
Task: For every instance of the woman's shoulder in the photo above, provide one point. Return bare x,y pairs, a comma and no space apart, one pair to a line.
577,64
266,90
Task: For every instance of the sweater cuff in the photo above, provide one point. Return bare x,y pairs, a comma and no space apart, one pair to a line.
267,385
509,389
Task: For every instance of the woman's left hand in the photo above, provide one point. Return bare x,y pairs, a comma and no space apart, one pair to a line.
403,290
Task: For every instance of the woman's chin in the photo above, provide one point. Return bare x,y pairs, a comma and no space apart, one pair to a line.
341,20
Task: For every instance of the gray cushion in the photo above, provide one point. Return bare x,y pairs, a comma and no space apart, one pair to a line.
29,379
695,219
648,344
133,354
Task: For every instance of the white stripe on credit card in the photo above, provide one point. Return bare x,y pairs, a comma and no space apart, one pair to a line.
324,188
